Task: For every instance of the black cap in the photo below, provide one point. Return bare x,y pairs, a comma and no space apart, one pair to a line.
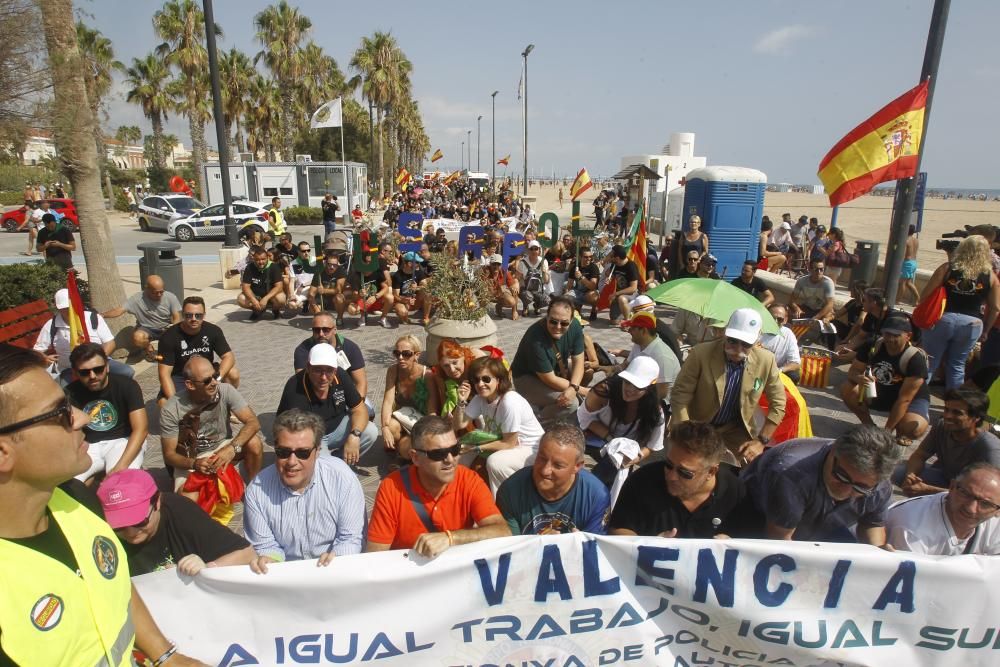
897,324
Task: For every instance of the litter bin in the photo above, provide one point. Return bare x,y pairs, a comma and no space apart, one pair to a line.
867,252
160,259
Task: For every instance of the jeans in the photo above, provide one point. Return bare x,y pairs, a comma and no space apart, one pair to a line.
333,442
931,474
329,227
949,342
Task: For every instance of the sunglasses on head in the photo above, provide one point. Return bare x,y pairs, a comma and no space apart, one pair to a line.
683,473
285,452
441,454
404,354
194,316
87,372
64,412
559,324
841,476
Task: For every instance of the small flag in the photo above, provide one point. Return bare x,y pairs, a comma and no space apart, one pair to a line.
437,155
637,249
883,148
402,177
77,328
580,185
504,160
452,177
330,114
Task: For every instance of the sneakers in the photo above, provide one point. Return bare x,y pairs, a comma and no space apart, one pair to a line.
255,315
385,323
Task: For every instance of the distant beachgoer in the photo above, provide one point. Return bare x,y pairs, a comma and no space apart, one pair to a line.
909,271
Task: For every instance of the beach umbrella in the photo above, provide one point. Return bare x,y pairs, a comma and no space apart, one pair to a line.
714,299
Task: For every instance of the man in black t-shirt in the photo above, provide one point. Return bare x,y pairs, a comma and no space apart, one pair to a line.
753,285
116,432
193,336
329,288
583,282
56,242
625,274
408,288
263,285
165,530
330,209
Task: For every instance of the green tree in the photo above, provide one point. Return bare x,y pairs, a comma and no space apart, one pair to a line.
262,119
235,74
147,82
99,65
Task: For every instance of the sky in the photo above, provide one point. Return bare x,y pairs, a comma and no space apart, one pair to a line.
768,84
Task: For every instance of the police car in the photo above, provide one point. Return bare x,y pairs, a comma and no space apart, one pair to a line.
156,212
211,222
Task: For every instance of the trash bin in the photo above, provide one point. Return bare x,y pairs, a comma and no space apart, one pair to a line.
160,259
867,268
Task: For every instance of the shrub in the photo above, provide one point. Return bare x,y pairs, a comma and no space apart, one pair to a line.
11,198
121,202
303,215
29,281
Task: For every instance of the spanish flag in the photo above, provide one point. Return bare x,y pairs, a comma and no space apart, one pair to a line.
504,160
637,249
77,327
402,177
883,148
451,178
580,185
437,155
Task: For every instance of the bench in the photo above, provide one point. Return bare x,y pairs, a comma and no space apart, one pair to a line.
20,326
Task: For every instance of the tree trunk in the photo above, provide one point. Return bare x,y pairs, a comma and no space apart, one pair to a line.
159,159
234,154
197,129
240,146
287,124
74,130
381,164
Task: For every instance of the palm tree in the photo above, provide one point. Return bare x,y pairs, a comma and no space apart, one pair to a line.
99,63
147,83
281,29
262,117
193,98
385,80
181,26
235,73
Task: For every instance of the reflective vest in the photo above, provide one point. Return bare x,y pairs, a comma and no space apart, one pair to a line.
276,221
53,616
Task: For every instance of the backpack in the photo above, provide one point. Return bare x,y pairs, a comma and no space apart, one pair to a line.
904,359
93,324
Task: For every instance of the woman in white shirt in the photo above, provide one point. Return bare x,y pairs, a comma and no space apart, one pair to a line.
496,408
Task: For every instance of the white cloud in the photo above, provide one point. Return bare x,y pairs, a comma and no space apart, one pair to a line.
780,40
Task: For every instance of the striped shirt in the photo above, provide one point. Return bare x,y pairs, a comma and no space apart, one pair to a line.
328,515
730,407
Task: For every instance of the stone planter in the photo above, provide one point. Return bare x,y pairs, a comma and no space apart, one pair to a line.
470,333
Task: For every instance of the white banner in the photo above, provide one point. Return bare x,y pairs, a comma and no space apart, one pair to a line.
330,114
582,600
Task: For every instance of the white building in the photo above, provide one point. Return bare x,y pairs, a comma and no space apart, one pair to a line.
672,165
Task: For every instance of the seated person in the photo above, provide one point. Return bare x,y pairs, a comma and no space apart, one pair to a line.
305,505
154,310
625,275
504,286
329,288
965,519
53,339
898,370
435,503
749,282
117,427
300,273
556,494
959,439
534,278
408,284
409,389
200,414
327,390
495,408
582,284
452,369
813,294
854,491
262,285
706,267
375,286
642,328
846,317
783,345
193,337
164,530
690,267
690,494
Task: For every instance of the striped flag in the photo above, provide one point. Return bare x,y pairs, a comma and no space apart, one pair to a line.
504,160
452,177
402,177
637,248
796,422
77,327
580,185
437,155
883,148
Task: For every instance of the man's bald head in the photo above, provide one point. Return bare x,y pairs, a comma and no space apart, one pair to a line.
154,287
196,367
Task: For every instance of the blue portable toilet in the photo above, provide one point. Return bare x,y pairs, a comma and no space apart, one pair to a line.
730,202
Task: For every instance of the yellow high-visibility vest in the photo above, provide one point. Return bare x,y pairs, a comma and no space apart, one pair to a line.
276,221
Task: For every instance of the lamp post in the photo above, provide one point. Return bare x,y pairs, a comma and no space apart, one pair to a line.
461,158
494,98
524,55
231,235
468,136
479,142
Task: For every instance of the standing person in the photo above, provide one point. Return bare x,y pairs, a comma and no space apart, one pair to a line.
408,384
275,220
694,240
330,209
908,273
769,257
836,252
33,215
130,200
560,198
49,544
970,285
56,242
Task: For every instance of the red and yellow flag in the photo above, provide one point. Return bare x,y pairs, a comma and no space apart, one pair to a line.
883,148
637,251
402,177
78,332
796,422
505,161
437,155
452,177
580,185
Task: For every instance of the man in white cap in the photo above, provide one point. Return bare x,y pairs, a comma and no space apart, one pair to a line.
53,339
646,343
721,383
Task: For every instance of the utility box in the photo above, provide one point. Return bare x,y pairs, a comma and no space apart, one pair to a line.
867,252
730,202
160,259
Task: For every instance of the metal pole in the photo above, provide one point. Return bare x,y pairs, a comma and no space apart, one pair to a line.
232,238
343,161
462,154
524,55
468,136
493,183
908,186
479,142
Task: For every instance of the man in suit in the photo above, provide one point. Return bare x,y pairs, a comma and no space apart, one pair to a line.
721,383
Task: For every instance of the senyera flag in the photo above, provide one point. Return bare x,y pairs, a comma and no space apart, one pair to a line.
504,160
580,185
402,177
437,155
883,148
636,252
77,327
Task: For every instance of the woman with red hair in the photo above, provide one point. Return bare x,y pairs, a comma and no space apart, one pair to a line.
451,371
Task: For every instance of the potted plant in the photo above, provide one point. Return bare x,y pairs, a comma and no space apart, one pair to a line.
461,300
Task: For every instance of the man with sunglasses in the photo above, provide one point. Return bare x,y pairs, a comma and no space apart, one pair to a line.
68,598
349,356
435,503
813,294
690,494
825,490
116,434
301,271
963,520
721,383
783,344
193,336
329,287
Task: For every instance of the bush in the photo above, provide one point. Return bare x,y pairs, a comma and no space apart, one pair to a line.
121,202
29,281
11,198
303,215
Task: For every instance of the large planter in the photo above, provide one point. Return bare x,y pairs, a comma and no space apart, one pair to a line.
470,333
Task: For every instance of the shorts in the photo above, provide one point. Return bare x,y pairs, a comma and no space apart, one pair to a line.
104,455
154,334
909,271
918,406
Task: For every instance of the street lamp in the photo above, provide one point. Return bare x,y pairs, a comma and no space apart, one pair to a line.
494,97
524,55
461,154
479,141
231,235
468,134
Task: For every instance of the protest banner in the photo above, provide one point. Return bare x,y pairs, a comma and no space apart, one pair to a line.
583,600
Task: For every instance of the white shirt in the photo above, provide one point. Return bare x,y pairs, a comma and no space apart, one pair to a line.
921,525
664,357
784,346
511,413
542,267
102,334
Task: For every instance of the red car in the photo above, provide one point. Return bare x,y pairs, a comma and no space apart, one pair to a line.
14,221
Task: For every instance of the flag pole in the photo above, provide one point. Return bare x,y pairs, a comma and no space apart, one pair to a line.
908,186
348,217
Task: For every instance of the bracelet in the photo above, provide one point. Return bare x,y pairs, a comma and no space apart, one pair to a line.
451,542
169,653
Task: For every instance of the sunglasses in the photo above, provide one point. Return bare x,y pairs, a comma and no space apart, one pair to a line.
841,476
440,454
95,371
482,379
559,324
322,329
683,473
207,381
285,452
404,354
736,341
194,316
64,412
985,505
305,249
779,320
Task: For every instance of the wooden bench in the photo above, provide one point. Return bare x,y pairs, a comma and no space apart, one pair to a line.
20,326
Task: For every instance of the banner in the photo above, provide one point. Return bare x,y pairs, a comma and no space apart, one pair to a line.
582,600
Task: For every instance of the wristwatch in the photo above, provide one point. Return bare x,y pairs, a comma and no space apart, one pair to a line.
237,448
355,432
763,439
575,387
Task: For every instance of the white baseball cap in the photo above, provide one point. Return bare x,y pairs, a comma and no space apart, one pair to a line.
323,354
534,244
641,302
496,259
641,372
744,324
62,298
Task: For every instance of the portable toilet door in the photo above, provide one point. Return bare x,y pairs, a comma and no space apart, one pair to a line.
730,202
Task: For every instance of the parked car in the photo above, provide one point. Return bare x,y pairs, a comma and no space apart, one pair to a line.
13,221
156,212
211,222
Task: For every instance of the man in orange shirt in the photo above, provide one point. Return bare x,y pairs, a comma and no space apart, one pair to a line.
435,503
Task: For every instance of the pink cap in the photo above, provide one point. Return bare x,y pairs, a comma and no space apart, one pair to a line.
125,497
